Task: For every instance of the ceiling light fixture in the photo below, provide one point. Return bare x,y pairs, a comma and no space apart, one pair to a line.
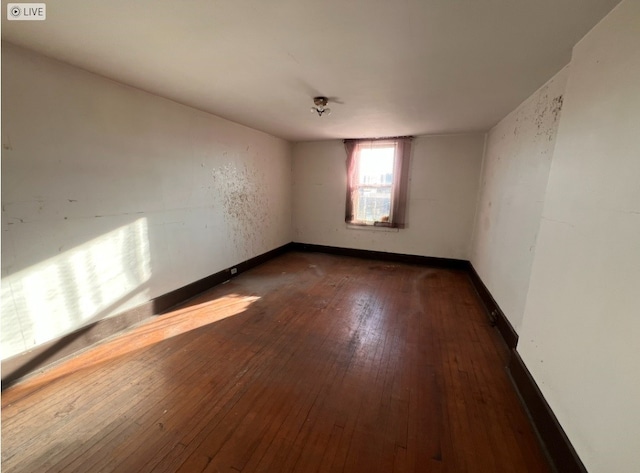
320,106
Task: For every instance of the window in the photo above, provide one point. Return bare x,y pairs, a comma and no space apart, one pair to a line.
377,175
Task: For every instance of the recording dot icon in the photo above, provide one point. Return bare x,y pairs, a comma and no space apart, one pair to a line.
15,11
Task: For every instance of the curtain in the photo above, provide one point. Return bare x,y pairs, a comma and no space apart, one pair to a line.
401,182
351,146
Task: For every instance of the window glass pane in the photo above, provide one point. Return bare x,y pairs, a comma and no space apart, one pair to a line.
375,180
376,166
374,204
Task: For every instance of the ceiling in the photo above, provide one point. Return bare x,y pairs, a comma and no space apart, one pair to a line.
404,67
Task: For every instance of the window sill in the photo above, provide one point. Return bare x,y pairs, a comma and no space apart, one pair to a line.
375,228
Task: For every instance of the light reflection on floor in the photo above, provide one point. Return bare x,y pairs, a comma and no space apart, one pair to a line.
148,333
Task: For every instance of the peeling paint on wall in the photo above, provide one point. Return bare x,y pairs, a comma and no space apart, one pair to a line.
138,158
244,197
547,113
516,169
556,107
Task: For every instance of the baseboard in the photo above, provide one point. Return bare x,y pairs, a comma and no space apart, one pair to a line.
42,356
432,261
496,316
168,301
558,447
555,440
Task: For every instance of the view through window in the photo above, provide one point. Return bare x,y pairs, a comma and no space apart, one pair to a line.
375,167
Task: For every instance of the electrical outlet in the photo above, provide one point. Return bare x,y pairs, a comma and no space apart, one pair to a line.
234,270
493,318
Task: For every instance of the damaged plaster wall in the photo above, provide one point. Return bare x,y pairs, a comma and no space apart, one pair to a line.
514,179
112,196
579,335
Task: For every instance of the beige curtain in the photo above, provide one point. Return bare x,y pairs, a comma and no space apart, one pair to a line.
351,146
401,182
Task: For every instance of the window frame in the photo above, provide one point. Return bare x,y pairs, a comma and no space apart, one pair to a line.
399,184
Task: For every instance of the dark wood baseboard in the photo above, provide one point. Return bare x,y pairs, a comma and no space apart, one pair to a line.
496,316
561,453
42,356
555,440
448,263
167,301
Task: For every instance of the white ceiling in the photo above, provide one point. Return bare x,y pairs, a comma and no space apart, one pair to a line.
407,67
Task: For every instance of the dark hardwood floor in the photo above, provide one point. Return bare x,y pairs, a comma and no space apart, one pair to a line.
308,363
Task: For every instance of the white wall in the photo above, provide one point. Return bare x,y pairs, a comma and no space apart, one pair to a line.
580,334
112,196
441,204
514,179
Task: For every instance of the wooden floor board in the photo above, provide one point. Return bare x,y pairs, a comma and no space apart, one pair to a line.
307,363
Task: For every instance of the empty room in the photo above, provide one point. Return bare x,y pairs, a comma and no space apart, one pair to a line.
321,236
